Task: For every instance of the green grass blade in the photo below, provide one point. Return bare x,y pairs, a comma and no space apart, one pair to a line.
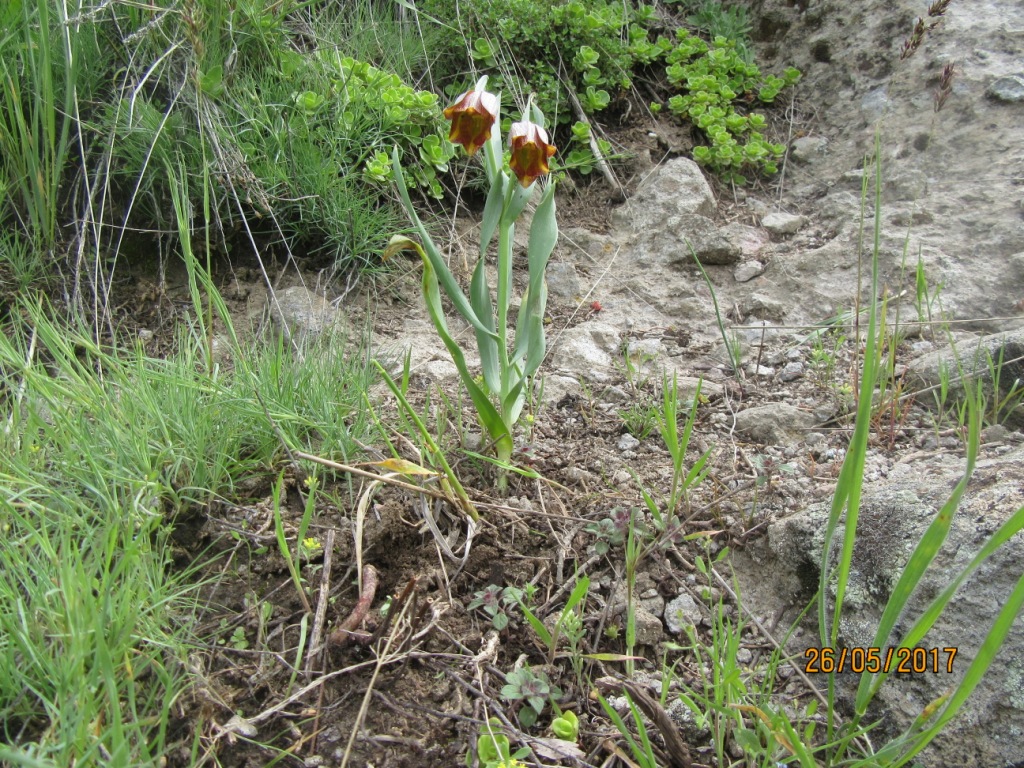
443,274
538,626
579,592
436,453
490,419
925,551
620,725
976,671
480,298
851,476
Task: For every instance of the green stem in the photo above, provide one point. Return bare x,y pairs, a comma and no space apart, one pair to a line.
504,454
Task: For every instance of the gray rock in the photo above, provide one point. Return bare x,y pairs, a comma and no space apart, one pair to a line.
783,223
775,424
711,245
627,443
1009,88
808,148
641,350
653,603
996,433
749,240
438,371
586,351
791,371
910,184
682,612
978,358
563,282
670,243
760,371
614,395
556,387
874,104
577,245
686,387
678,187
304,315
649,630
763,306
747,271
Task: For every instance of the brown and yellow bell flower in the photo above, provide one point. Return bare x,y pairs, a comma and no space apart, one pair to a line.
472,115
530,152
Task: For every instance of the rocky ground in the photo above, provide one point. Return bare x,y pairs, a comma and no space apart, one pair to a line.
787,263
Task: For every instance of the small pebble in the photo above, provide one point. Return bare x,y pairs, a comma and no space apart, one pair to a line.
791,371
627,443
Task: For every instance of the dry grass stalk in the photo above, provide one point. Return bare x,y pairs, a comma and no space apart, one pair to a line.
945,87
936,11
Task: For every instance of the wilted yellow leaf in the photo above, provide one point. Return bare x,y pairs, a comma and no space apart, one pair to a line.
399,243
403,467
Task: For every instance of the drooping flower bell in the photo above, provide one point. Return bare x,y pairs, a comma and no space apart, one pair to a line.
472,115
531,151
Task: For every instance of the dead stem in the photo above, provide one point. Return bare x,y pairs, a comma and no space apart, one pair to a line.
345,631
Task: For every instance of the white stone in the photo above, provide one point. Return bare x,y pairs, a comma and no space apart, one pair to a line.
783,223
747,271
681,612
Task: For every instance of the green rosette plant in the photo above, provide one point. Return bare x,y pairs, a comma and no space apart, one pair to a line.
508,357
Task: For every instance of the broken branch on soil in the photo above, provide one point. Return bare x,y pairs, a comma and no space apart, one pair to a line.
316,641
346,631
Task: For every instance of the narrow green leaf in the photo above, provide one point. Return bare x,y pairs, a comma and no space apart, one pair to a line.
532,474
851,476
538,625
611,657
492,212
512,404
986,655
516,199
530,342
431,254
618,722
490,419
435,452
925,551
480,298
579,592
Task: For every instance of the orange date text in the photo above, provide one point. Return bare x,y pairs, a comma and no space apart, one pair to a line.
874,660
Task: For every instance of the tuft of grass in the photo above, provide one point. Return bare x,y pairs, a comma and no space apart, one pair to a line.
42,75
717,19
280,110
103,449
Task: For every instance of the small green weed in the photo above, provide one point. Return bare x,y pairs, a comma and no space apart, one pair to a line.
493,749
494,601
533,689
609,531
715,78
640,419
716,19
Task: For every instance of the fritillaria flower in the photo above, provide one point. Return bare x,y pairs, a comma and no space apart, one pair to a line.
530,152
472,115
